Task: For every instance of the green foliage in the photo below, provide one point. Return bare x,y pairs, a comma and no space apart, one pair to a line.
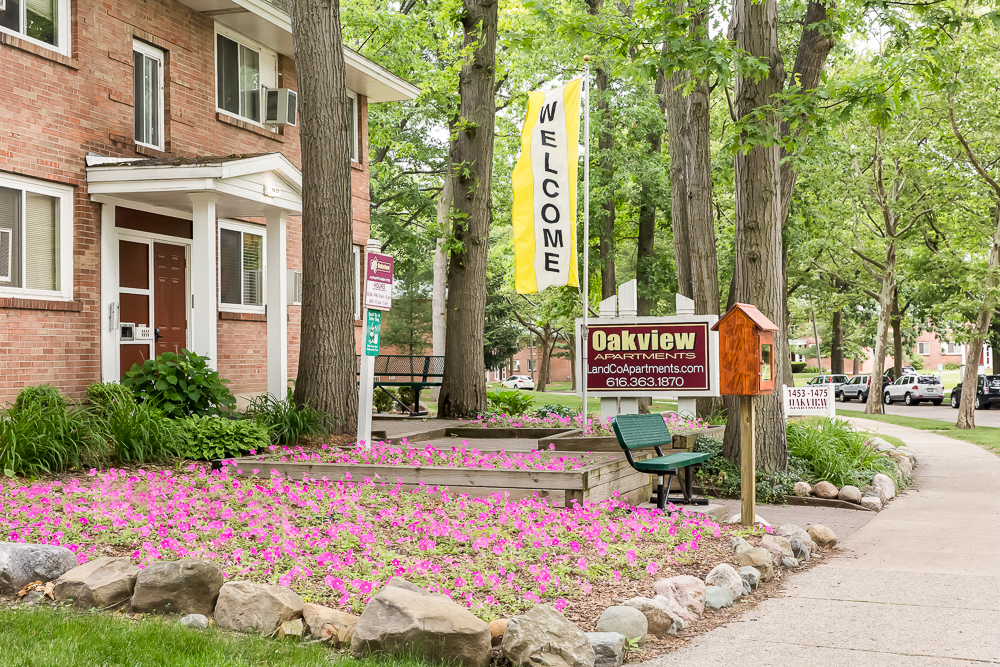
209,438
510,402
833,451
285,421
544,411
798,366
42,395
811,369
950,366
383,399
180,385
138,432
917,362
718,475
101,394
500,337
406,395
44,437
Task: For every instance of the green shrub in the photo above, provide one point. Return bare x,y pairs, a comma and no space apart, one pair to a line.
811,369
952,366
285,421
917,363
383,399
208,438
407,395
42,395
138,432
554,409
798,367
720,476
834,452
43,437
102,394
180,384
512,403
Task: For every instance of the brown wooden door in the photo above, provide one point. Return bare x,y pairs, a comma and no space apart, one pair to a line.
169,297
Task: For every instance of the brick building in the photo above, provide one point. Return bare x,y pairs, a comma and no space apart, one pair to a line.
931,348
150,188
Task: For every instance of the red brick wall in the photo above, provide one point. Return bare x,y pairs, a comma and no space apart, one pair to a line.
54,109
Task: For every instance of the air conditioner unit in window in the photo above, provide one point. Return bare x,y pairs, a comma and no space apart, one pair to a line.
280,106
294,288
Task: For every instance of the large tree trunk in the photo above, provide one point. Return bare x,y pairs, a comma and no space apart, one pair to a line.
837,350
463,392
676,115
438,312
605,145
571,346
874,406
327,375
757,278
645,251
545,342
896,322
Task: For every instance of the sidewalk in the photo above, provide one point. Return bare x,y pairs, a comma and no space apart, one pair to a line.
918,585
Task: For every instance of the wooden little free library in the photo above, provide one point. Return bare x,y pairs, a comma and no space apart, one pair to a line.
746,352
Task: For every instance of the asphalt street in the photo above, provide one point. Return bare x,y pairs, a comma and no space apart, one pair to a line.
944,412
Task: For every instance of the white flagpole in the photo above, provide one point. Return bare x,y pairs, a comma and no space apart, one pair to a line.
585,337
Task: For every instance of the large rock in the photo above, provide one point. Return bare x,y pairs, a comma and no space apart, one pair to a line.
738,518
879,444
802,489
609,648
185,586
686,595
740,545
628,621
750,575
800,550
872,503
434,626
777,553
850,494
905,466
779,541
196,621
717,597
885,483
661,619
789,562
726,576
22,564
332,625
760,559
822,536
543,637
792,532
825,490
256,608
98,584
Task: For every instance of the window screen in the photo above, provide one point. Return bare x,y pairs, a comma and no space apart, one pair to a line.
10,223
241,268
147,81
238,78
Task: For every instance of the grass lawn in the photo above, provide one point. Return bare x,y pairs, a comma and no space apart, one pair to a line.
47,637
984,436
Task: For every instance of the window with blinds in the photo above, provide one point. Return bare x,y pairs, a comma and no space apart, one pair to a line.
38,20
241,268
147,83
243,68
29,240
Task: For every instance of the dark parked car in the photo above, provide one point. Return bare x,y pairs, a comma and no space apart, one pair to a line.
987,392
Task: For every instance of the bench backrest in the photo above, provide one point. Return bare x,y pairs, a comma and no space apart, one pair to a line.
403,370
639,431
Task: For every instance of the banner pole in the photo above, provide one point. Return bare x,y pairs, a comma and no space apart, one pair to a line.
585,337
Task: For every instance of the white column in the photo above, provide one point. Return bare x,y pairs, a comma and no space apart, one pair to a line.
608,308
204,294
366,380
110,355
628,299
686,407
277,304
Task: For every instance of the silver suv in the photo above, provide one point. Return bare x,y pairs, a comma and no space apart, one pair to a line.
837,381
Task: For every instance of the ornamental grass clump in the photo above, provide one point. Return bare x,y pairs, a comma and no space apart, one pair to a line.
833,451
46,437
285,421
137,432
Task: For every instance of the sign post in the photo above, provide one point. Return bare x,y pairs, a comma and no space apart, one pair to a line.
378,297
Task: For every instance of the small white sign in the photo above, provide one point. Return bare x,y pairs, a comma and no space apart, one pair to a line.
272,191
812,401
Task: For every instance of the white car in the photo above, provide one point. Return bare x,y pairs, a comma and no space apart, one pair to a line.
518,382
911,389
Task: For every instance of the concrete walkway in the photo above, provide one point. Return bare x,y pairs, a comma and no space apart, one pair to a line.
918,585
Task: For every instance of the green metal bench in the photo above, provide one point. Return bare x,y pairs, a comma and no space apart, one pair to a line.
645,431
400,370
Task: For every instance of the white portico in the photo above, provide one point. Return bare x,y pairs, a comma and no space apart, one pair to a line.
160,254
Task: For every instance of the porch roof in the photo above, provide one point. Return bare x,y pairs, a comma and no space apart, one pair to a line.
245,185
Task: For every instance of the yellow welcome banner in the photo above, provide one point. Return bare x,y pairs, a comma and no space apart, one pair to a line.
545,191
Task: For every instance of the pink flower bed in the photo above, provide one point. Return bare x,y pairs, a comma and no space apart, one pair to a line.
338,542
594,426
407,454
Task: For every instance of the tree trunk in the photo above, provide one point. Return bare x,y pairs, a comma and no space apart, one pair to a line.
605,145
571,346
837,350
856,368
463,392
546,342
645,251
327,375
757,277
676,115
874,406
438,312
896,322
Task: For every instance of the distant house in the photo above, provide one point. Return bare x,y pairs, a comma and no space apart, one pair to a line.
150,190
935,353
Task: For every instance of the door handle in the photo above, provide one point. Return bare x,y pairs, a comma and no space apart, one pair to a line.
156,334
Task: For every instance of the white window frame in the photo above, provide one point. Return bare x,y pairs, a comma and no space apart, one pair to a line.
952,350
64,194
257,230
517,366
356,130
357,282
158,55
265,82
923,349
63,29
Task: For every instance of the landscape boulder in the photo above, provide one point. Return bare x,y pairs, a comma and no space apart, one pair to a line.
905,466
800,550
825,490
740,545
293,630
822,536
97,584
792,532
726,576
885,483
543,637
760,559
625,620
872,503
185,586
850,494
750,575
777,553
717,597
433,626
256,608
685,593
609,648
497,629
22,564
661,618
738,518
789,562
802,489
196,621
780,542
332,625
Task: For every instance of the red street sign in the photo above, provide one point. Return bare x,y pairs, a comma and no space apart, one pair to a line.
661,357
378,281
